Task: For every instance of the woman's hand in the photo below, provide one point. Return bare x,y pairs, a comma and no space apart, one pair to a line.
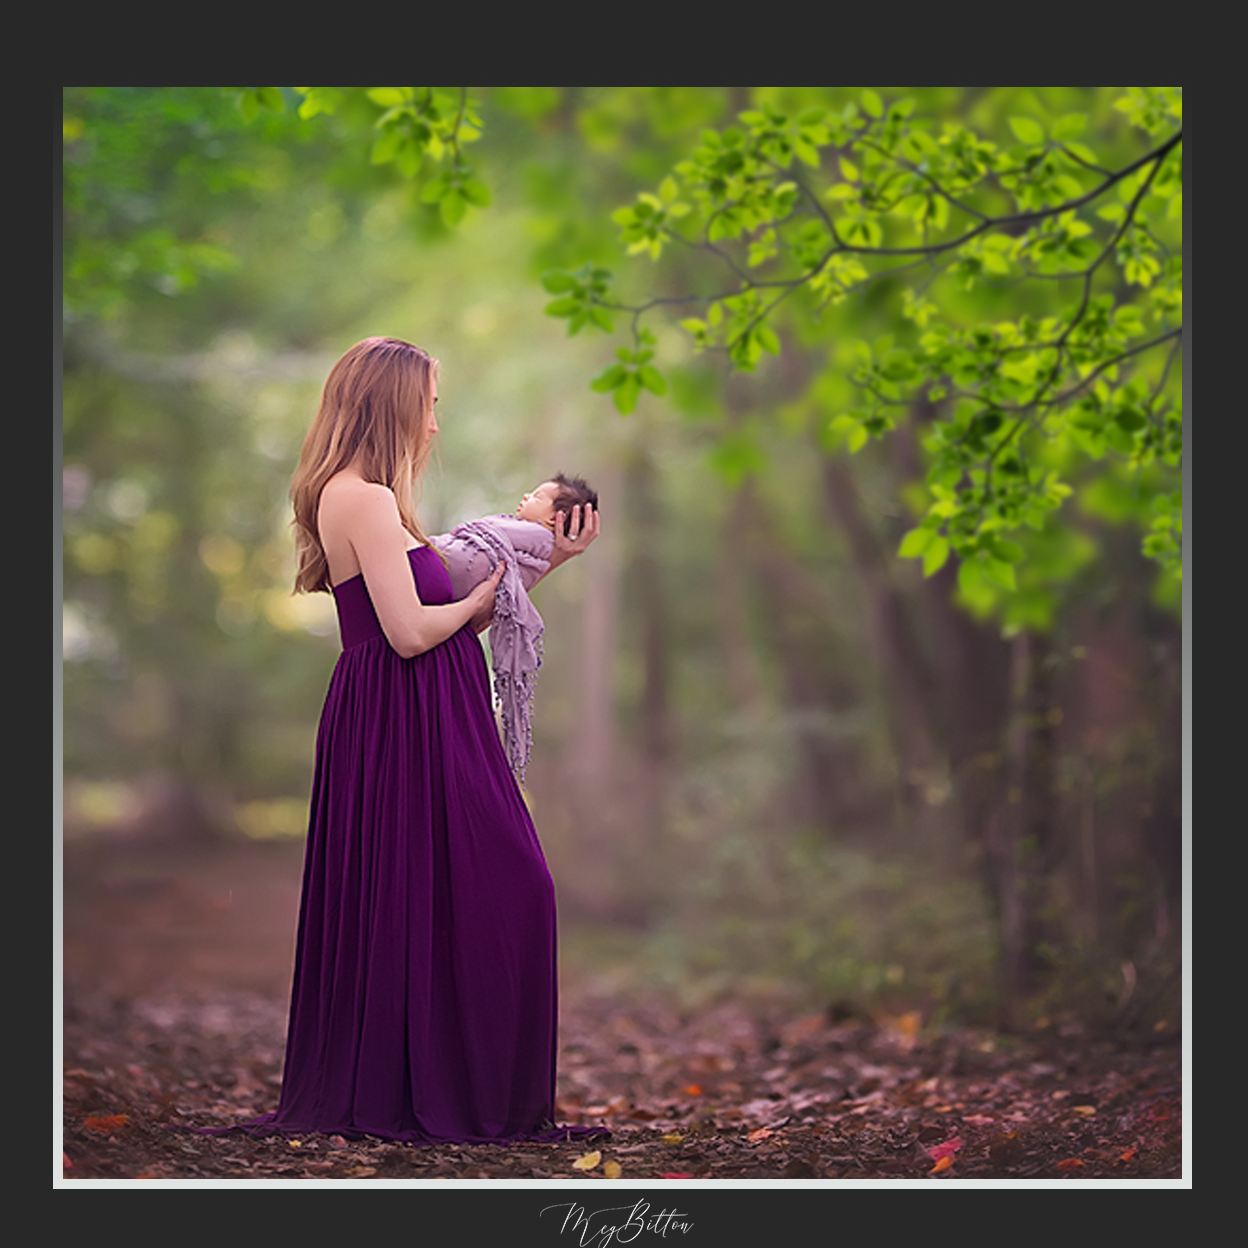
482,598
582,530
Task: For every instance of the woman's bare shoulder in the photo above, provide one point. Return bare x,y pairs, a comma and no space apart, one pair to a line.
353,510
348,486
345,495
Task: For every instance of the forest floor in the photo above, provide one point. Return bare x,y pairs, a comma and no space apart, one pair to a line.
176,972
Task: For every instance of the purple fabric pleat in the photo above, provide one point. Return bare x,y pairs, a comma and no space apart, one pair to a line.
424,1003
473,550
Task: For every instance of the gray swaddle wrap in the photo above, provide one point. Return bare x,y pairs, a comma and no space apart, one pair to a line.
472,551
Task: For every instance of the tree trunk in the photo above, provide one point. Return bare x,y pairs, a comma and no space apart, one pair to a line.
913,712
656,735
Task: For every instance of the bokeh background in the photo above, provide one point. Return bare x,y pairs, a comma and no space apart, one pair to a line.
767,751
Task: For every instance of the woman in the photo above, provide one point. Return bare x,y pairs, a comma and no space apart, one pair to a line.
424,999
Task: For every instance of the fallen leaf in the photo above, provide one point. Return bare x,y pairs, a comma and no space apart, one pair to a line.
942,1163
759,1135
1085,1110
675,1174
673,1137
105,1123
947,1149
693,1089
979,1120
588,1161
361,1172
1131,1152
612,1170
69,1165
1070,1163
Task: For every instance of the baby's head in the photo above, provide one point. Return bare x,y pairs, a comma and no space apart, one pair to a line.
560,493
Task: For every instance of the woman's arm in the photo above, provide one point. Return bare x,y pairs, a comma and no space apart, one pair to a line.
367,516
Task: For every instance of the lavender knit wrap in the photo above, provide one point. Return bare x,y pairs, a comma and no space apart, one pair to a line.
472,551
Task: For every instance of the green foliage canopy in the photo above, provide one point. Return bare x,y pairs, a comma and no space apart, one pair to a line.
817,205
1024,287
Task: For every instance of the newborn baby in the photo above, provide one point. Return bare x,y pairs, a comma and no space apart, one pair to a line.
523,542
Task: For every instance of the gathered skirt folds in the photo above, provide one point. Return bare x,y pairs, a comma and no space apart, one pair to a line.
424,1003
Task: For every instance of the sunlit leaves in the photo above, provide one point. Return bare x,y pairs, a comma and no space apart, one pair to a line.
582,297
453,190
925,543
633,373
1155,109
251,100
317,100
1026,130
827,202
797,209
645,226
1165,536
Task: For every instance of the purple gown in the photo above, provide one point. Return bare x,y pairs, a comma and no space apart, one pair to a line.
424,1005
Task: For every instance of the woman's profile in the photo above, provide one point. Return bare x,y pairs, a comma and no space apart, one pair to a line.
423,1006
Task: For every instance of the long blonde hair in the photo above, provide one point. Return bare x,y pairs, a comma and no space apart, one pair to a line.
374,411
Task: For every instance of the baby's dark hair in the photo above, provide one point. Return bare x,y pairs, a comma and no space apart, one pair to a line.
573,490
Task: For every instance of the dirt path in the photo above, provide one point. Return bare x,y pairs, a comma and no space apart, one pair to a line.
177,965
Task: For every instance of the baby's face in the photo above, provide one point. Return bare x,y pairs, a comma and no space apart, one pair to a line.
539,506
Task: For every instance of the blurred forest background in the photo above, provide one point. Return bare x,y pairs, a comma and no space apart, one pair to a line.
766,748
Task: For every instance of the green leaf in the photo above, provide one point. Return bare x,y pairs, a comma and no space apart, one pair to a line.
897,365
1026,130
390,97
601,317
935,556
434,189
609,378
563,307
872,105
626,393
453,207
556,281
319,100
386,148
409,158
652,379
916,542
768,339
1070,126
